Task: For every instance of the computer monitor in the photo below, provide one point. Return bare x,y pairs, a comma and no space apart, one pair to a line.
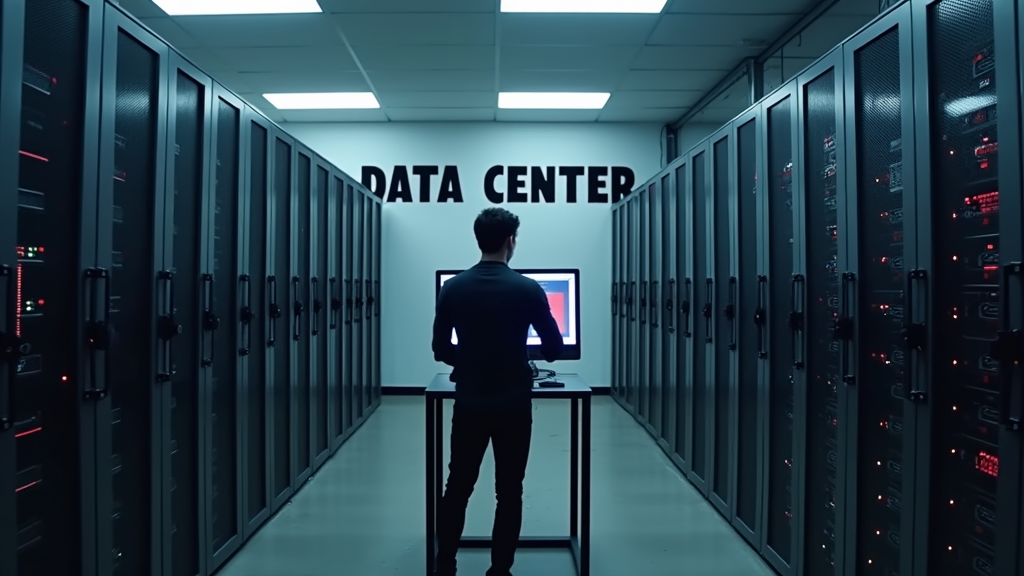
562,285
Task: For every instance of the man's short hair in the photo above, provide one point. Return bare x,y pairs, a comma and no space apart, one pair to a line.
493,227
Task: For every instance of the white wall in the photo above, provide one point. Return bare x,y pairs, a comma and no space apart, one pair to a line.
692,133
420,238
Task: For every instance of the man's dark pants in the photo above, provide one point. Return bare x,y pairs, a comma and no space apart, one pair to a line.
473,427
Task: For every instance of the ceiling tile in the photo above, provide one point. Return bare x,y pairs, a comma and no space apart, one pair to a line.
398,6
823,35
481,99
438,80
701,80
567,57
425,57
548,115
413,29
141,8
441,114
576,29
286,59
629,99
717,29
718,116
722,58
559,80
733,7
665,115
291,82
263,30
334,115
171,32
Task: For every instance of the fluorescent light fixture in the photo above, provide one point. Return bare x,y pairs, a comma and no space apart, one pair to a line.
553,100
584,6
324,101
236,7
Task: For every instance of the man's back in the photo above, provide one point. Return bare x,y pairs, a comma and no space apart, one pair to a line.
491,308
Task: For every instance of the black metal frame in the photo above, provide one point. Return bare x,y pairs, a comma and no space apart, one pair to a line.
578,540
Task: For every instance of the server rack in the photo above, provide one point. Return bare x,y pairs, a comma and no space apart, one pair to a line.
259,392
681,452
300,325
228,290
643,252
963,294
48,207
351,396
282,415
181,332
821,145
661,254
780,288
378,263
720,320
749,395
336,291
615,252
653,260
700,421
319,296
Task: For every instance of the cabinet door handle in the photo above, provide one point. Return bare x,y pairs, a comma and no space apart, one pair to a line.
670,305
643,302
349,303
168,328
211,323
615,299
655,302
1007,350
370,298
335,304
709,298
685,309
273,310
245,314
730,313
796,320
297,309
9,348
631,301
914,335
376,298
357,314
761,317
314,283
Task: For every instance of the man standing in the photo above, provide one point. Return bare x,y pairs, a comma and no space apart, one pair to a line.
491,308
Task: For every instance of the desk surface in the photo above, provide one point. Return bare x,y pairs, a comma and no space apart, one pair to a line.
575,387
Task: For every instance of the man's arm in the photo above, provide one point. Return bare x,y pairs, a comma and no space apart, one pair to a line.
547,328
444,350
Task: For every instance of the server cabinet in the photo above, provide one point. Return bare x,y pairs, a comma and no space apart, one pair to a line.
130,294
822,144
184,404
336,291
319,286
684,316
663,308
378,251
258,390
750,397
633,330
654,305
359,230
880,241
227,289
50,64
282,415
351,394
779,288
369,243
720,320
623,279
644,243
301,330
615,359
701,303
964,292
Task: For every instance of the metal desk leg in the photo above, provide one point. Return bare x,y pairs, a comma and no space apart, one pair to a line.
574,467
585,492
430,479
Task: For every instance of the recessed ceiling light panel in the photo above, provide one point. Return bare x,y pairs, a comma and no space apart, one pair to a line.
584,6
236,7
324,101
553,100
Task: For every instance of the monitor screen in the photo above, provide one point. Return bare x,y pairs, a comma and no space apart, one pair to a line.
561,287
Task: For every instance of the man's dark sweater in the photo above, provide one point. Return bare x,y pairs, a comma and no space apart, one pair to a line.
491,307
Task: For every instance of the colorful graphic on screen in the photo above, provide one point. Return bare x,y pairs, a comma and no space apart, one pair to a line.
561,290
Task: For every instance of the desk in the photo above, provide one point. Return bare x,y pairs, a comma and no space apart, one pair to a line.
576,392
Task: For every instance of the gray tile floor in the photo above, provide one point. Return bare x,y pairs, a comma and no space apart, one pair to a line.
363,513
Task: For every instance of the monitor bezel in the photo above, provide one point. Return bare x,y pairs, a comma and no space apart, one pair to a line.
569,351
